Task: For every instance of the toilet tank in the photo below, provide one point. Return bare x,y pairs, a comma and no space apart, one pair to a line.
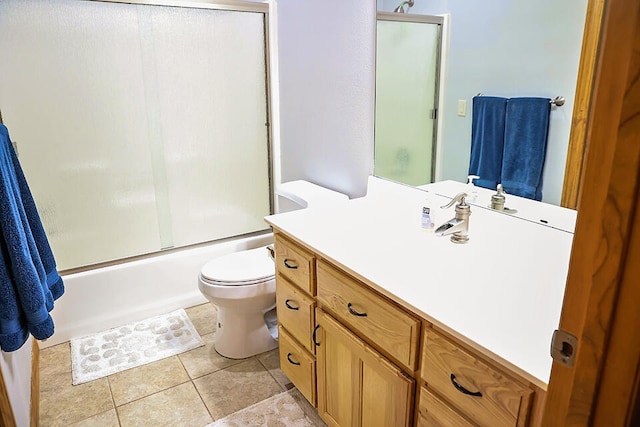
300,194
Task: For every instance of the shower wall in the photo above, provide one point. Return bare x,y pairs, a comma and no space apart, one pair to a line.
140,128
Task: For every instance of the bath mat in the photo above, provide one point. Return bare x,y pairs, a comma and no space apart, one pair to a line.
280,410
105,353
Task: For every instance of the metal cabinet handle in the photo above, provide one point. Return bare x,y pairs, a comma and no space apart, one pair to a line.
355,313
291,361
290,307
287,264
313,336
462,389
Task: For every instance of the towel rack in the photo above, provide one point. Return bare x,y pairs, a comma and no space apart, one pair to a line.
558,101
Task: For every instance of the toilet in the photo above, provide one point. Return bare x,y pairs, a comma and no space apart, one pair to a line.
242,284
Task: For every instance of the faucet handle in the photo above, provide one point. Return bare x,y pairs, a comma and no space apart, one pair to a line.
460,197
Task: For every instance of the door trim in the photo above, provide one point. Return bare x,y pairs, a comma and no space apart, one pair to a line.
599,269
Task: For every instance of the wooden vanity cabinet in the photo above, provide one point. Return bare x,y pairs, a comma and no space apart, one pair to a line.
357,356
356,385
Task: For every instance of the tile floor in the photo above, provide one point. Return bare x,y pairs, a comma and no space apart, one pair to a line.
191,389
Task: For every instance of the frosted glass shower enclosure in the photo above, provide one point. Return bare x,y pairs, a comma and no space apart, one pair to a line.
407,66
139,127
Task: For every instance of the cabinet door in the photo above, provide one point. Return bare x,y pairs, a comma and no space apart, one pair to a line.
356,385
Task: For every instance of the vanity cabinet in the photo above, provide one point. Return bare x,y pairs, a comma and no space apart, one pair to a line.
364,359
356,385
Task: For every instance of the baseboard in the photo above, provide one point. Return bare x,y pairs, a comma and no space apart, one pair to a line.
35,383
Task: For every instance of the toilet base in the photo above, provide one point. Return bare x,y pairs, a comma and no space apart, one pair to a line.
242,335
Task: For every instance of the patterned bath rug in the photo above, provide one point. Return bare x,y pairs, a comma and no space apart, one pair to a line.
105,353
280,410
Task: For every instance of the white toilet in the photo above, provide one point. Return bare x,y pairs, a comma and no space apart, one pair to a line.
242,284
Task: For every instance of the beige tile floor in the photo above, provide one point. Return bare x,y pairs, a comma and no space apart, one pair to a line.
191,389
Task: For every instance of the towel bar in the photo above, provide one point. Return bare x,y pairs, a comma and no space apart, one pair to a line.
558,101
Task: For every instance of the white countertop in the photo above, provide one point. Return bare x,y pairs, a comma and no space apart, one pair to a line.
502,290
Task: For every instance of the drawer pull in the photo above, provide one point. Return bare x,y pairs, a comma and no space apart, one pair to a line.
291,361
355,313
313,336
462,389
290,264
290,307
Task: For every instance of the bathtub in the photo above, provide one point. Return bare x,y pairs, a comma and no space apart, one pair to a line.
108,297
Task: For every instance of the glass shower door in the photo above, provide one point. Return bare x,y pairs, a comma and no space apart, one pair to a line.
139,127
407,65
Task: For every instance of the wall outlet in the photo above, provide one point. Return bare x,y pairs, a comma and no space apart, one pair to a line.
462,107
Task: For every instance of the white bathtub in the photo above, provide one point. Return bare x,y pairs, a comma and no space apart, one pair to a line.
108,297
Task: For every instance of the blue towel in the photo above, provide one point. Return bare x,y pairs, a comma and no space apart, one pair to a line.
487,140
29,281
525,146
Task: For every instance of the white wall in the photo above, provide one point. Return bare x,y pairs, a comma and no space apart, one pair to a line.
509,48
16,371
326,61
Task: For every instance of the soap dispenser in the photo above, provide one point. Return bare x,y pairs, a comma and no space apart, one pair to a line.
471,189
457,227
498,199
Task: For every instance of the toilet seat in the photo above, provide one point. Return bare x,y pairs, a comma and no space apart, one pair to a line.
242,268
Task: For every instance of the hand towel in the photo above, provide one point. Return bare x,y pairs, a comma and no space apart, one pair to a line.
525,146
29,280
487,139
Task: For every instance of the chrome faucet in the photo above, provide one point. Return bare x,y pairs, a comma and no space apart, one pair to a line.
457,227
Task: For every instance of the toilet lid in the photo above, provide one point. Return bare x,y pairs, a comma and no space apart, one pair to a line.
240,268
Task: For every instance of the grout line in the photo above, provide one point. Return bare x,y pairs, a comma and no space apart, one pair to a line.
113,400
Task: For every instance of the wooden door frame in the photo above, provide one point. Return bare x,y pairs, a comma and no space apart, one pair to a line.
577,138
602,276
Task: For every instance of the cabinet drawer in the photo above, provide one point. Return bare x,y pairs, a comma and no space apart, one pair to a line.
296,264
298,365
382,323
296,312
432,412
451,371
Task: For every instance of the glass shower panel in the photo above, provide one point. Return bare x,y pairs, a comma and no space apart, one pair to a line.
72,96
139,127
210,74
406,71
